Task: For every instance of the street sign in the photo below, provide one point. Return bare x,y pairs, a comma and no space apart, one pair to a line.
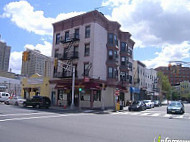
86,79
117,92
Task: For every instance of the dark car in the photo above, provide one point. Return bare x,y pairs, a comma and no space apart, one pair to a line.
176,107
38,102
137,105
157,103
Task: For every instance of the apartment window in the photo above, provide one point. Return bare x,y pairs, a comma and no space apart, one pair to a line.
123,61
97,95
115,55
67,36
75,52
130,52
56,53
110,54
123,46
86,70
123,76
130,65
115,40
87,31
76,34
110,38
87,50
58,37
110,72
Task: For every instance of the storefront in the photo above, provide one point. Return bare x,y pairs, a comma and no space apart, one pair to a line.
87,94
36,85
135,92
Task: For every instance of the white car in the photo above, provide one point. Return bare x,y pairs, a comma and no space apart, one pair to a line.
4,96
149,103
17,100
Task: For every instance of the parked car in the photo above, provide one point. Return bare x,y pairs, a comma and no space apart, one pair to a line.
137,105
17,100
165,102
149,103
157,103
175,107
4,96
38,102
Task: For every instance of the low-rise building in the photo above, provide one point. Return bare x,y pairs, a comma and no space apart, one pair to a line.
35,85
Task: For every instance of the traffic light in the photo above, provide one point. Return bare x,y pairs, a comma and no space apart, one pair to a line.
25,56
80,89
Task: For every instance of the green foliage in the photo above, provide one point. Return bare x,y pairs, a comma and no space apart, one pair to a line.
166,87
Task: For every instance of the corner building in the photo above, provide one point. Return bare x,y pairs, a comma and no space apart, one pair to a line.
102,56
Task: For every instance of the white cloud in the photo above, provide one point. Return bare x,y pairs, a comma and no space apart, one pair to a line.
15,62
175,52
24,16
153,23
45,48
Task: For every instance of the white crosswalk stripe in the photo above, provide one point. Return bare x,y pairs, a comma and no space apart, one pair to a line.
153,114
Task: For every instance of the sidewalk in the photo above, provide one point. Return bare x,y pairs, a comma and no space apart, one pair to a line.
87,110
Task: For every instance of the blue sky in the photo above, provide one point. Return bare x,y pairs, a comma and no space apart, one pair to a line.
159,28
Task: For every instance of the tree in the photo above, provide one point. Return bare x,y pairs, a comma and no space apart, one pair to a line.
165,84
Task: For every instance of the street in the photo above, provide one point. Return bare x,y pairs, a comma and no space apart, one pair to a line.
19,124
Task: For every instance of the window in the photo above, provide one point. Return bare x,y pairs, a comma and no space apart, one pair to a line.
87,50
110,72
75,52
110,54
66,36
130,52
110,38
86,70
56,53
115,55
123,76
97,95
115,40
123,61
58,37
87,31
130,65
123,46
76,34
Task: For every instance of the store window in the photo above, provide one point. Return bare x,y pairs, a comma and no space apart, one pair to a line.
97,95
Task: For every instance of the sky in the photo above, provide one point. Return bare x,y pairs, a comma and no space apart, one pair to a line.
159,28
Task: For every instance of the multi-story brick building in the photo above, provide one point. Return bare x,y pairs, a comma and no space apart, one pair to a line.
4,56
176,73
102,55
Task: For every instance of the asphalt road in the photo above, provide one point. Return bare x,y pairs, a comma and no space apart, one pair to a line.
31,125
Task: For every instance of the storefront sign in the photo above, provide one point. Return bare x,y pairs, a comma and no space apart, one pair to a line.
35,81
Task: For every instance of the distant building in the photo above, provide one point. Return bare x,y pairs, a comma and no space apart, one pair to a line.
175,73
34,62
4,56
102,55
145,82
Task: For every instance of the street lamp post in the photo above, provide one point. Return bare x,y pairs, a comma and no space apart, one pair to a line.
73,88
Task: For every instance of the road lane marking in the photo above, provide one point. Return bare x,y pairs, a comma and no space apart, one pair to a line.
39,117
179,116
167,115
22,114
144,114
155,114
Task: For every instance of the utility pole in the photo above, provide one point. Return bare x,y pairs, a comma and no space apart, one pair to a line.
73,87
